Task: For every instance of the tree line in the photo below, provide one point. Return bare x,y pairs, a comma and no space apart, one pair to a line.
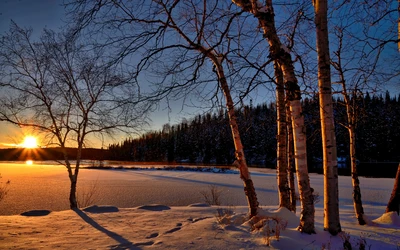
207,139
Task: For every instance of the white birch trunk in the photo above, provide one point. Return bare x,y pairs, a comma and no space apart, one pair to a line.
281,54
291,160
357,202
282,159
240,161
305,191
331,188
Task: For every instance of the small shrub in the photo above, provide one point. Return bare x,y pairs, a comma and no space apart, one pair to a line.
212,196
3,188
224,216
85,197
269,226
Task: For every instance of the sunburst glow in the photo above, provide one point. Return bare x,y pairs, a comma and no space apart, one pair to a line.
30,142
29,162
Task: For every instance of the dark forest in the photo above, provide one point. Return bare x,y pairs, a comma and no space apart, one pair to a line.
207,138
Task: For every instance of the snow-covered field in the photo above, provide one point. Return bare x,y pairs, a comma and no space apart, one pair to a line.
132,221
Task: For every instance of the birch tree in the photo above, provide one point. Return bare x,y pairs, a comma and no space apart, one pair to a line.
185,43
360,53
282,157
350,102
290,159
331,186
279,52
61,88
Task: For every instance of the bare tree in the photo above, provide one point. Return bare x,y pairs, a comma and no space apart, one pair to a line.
350,101
279,52
331,185
360,64
65,90
186,44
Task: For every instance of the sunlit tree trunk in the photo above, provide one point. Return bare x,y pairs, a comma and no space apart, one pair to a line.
240,162
265,15
303,181
282,159
350,126
357,201
394,201
331,189
73,203
398,25
291,164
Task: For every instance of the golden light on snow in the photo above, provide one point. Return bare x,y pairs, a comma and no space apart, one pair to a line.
30,142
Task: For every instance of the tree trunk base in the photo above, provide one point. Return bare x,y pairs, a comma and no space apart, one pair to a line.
251,195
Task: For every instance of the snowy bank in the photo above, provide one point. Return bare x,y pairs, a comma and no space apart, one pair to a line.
196,226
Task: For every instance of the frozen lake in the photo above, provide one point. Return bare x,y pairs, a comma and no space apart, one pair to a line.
43,186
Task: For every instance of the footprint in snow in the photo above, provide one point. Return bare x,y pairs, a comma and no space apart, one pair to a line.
177,228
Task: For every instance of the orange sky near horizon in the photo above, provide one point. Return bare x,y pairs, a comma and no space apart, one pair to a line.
12,136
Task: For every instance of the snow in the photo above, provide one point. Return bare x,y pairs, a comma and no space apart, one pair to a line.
193,226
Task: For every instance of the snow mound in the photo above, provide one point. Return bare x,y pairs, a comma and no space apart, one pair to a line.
100,209
199,205
388,219
154,207
282,213
36,213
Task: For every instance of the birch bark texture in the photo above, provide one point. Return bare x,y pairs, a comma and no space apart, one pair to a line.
240,161
265,15
331,189
282,158
291,160
351,128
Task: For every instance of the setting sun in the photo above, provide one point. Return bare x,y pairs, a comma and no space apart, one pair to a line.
30,142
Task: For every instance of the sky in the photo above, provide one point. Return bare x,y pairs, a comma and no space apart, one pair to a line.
40,14
37,14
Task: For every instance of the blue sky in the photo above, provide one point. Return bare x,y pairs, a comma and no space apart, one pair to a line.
37,14
40,14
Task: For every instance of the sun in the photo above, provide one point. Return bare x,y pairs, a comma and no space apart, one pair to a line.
30,142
